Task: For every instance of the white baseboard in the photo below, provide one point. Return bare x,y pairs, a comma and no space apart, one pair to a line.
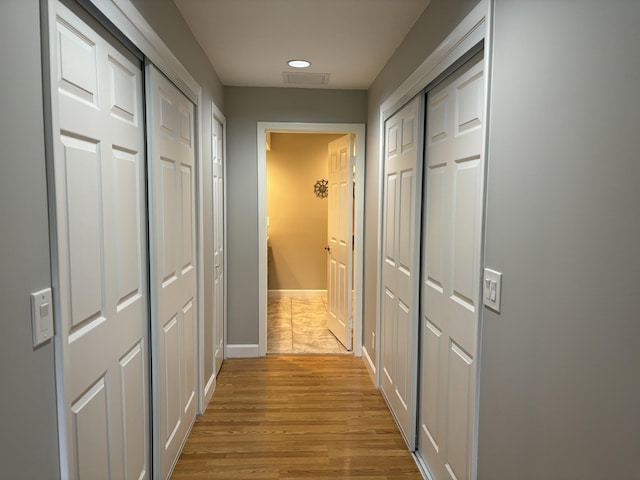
297,293
208,391
371,368
242,351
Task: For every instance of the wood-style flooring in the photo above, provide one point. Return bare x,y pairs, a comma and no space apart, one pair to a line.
296,417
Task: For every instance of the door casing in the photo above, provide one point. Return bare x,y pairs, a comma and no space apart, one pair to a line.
347,128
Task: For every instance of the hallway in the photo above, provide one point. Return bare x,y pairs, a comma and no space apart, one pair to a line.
296,417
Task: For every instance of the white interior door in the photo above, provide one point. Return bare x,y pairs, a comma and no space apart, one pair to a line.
340,243
218,243
173,267
101,253
451,272
400,266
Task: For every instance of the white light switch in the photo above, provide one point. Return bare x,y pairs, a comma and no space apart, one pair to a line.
41,316
492,289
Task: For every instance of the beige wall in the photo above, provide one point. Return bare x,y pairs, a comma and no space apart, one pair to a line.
297,218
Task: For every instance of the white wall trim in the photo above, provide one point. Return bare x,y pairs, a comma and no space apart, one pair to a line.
371,368
470,31
200,249
358,258
243,351
297,293
209,387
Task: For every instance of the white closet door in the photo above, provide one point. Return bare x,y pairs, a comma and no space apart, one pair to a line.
400,266
173,267
340,246
101,253
451,271
218,244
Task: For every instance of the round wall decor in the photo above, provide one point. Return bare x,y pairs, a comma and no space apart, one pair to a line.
321,188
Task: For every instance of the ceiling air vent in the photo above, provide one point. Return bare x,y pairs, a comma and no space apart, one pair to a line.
303,78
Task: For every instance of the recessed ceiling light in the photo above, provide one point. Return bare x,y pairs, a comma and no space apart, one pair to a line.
299,63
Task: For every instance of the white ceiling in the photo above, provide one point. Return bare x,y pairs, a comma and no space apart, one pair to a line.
250,41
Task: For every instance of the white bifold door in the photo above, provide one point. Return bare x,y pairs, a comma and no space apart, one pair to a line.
451,290
100,241
400,265
340,243
173,267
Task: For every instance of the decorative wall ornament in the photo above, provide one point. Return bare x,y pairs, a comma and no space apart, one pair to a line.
321,188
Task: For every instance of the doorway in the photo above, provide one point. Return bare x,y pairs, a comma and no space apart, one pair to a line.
355,130
300,212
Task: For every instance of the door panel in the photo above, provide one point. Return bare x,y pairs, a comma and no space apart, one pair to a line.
173,272
135,408
100,236
91,421
339,232
401,201
189,373
171,344
451,271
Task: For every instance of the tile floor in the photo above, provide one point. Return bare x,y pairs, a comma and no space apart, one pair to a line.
299,325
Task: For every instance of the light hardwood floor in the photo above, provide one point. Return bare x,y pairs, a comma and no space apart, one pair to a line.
296,417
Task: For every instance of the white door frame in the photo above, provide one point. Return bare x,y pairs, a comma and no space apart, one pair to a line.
347,128
472,30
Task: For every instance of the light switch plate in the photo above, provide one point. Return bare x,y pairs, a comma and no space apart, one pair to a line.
492,289
41,316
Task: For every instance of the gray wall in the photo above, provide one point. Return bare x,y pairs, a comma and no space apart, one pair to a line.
437,21
28,435
245,107
165,18
559,380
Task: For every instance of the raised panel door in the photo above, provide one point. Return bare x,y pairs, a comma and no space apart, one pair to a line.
400,265
340,245
451,271
173,271
100,238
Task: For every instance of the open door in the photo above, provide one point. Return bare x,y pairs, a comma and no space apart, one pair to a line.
340,243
